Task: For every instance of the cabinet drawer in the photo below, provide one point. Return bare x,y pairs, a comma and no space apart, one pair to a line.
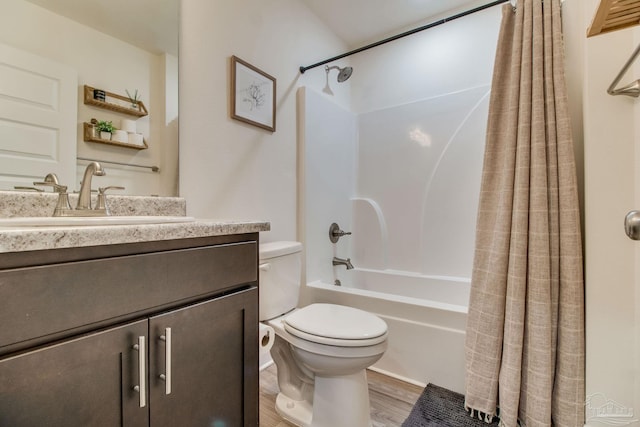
62,298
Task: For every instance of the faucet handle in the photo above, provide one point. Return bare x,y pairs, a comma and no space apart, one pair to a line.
50,180
335,233
56,187
62,206
51,177
101,190
102,198
22,187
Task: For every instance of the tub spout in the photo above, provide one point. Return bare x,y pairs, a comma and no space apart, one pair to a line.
345,262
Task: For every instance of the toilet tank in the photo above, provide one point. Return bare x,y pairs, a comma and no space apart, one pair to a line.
280,270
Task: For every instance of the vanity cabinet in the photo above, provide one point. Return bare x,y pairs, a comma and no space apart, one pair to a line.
81,382
208,363
152,334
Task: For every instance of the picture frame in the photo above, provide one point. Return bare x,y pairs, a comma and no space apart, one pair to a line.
253,95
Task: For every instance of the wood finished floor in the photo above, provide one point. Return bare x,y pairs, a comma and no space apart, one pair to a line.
391,400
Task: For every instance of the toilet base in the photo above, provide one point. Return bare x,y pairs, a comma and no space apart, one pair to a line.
295,411
340,401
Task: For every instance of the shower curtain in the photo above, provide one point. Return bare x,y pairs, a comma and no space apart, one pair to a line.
525,329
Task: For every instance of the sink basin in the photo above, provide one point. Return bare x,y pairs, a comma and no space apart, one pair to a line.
73,221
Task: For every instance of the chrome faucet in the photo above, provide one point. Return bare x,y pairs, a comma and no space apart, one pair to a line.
345,262
84,200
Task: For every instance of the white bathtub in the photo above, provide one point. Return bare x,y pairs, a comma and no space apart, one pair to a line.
426,316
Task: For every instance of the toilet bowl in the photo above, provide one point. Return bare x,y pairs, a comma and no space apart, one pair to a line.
321,351
322,379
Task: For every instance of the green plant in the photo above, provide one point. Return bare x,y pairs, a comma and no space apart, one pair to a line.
134,99
104,126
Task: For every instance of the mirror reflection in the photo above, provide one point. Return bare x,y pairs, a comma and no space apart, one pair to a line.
49,52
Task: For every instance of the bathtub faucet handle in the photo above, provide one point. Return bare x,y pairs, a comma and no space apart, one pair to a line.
335,233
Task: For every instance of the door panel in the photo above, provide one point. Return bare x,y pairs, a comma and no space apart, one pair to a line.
214,350
38,114
82,382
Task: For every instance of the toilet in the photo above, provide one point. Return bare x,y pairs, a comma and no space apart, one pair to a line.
321,351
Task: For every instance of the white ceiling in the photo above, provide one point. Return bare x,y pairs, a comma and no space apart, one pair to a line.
149,24
153,24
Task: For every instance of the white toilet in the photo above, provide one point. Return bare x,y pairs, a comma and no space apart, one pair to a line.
321,351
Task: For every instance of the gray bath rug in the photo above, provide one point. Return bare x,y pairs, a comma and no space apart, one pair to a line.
439,407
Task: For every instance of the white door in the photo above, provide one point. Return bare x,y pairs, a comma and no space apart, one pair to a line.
38,115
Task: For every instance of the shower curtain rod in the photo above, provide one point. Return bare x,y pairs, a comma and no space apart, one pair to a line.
406,33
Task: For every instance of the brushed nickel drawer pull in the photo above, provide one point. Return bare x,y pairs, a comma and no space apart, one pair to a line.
166,377
142,371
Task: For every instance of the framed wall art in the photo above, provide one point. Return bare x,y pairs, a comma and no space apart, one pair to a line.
253,95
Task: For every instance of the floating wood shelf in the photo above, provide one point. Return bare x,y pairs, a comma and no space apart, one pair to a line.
89,137
613,15
141,111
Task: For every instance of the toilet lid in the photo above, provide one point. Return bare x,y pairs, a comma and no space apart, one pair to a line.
335,325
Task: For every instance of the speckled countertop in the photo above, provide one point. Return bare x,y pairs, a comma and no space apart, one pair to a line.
19,239
30,204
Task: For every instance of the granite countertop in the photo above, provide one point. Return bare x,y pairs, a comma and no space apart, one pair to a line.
19,239
22,204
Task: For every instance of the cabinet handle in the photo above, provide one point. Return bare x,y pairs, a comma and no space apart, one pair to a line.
166,377
142,371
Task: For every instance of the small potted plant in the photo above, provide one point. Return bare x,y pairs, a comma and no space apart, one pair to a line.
135,99
105,128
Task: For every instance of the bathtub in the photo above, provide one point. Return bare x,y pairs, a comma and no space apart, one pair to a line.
426,316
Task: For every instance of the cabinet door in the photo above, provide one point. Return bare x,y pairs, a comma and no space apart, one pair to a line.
78,383
214,364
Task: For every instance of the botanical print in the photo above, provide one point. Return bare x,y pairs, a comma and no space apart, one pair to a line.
254,96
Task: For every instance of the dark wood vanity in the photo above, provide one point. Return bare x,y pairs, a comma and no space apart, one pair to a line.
160,333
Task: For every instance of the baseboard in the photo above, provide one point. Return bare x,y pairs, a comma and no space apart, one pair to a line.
398,377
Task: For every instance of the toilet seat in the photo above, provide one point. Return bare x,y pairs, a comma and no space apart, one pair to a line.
336,325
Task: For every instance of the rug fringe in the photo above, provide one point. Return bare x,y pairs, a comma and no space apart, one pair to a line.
482,416
488,418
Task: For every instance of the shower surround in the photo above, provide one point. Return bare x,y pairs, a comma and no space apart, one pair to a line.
417,184
400,168
405,182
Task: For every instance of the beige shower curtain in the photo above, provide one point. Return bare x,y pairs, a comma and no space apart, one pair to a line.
525,331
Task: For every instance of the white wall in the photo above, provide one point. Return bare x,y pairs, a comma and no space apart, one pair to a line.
611,190
107,63
229,169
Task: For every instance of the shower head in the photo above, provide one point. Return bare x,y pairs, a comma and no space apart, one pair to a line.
343,73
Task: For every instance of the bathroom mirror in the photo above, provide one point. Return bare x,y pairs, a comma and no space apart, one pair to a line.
114,45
